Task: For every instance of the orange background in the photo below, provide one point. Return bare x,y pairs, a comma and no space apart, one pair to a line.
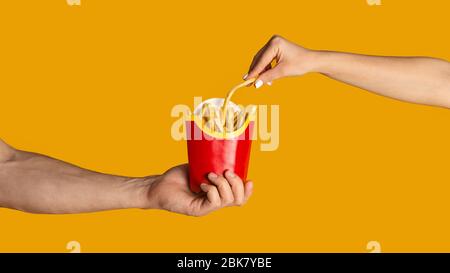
94,85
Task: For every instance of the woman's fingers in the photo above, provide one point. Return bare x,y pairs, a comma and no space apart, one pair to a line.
236,186
291,60
269,75
256,59
262,61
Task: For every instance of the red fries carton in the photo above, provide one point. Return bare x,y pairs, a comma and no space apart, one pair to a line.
211,151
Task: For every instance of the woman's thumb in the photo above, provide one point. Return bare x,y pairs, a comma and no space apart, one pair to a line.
268,76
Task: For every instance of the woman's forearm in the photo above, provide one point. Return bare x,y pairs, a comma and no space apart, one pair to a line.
414,79
39,184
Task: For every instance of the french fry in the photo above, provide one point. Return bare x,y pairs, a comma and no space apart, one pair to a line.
240,120
219,120
205,114
212,115
229,120
231,92
235,121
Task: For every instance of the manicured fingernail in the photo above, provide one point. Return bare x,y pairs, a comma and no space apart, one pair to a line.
245,76
203,186
231,174
269,83
212,175
258,83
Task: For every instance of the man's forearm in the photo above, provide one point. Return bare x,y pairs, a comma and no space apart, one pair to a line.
40,184
413,79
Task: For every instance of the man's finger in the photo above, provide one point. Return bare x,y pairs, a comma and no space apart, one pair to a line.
236,186
212,194
226,195
248,190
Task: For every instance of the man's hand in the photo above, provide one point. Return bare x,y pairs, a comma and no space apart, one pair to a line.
171,192
40,184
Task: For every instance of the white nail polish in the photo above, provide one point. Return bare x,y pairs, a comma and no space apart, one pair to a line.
258,83
245,77
269,83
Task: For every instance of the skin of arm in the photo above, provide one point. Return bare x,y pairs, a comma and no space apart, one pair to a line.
36,183
421,80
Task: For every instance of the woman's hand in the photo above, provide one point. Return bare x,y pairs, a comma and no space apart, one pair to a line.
291,60
171,192
422,80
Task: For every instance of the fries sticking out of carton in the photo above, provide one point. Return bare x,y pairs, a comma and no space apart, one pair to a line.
231,119
219,138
